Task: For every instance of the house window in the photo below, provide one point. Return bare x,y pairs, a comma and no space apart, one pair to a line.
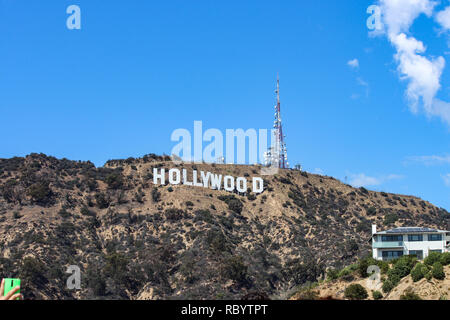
415,237
417,253
391,238
388,255
435,237
438,251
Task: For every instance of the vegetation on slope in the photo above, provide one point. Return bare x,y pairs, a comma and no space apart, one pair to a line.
133,239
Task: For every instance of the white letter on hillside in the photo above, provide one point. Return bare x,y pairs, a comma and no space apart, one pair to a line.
195,180
185,182
161,176
228,183
241,184
256,182
177,180
216,181
205,178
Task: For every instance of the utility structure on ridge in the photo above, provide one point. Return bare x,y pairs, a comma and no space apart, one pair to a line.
277,154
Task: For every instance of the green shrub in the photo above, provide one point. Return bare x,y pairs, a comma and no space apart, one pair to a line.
377,295
217,241
40,192
308,295
333,274
34,271
139,196
347,271
234,269
189,204
96,281
348,278
365,263
356,292
86,212
251,197
409,295
371,211
102,200
233,203
432,258
419,272
116,266
156,195
203,215
390,218
114,181
402,267
384,266
173,214
387,286
438,271
445,259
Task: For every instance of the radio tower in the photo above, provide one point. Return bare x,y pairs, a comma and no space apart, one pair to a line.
280,146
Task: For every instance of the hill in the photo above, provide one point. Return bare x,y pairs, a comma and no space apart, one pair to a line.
413,280
135,240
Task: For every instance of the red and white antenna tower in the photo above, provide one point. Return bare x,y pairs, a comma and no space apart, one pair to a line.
280,146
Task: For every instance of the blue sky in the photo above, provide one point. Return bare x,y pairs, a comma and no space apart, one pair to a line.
137,70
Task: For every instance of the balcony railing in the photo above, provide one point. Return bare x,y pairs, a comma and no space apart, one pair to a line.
394,244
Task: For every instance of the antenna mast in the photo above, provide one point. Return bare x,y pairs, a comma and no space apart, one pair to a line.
280,145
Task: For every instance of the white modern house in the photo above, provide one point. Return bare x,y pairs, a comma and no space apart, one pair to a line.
394,243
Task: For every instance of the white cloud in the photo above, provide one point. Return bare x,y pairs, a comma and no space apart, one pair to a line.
422,73
399,15
446,179
364,84
393,177
443,18
430,160
362,180
354,63
441,109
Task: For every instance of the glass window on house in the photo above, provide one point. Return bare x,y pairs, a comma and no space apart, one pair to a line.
391,238
417,253
415,237
435,237
388,255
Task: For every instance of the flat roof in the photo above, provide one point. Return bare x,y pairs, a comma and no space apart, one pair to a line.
411,230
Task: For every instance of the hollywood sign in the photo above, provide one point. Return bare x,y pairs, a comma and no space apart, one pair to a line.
206,180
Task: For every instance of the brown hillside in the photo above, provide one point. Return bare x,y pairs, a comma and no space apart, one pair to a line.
132,239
